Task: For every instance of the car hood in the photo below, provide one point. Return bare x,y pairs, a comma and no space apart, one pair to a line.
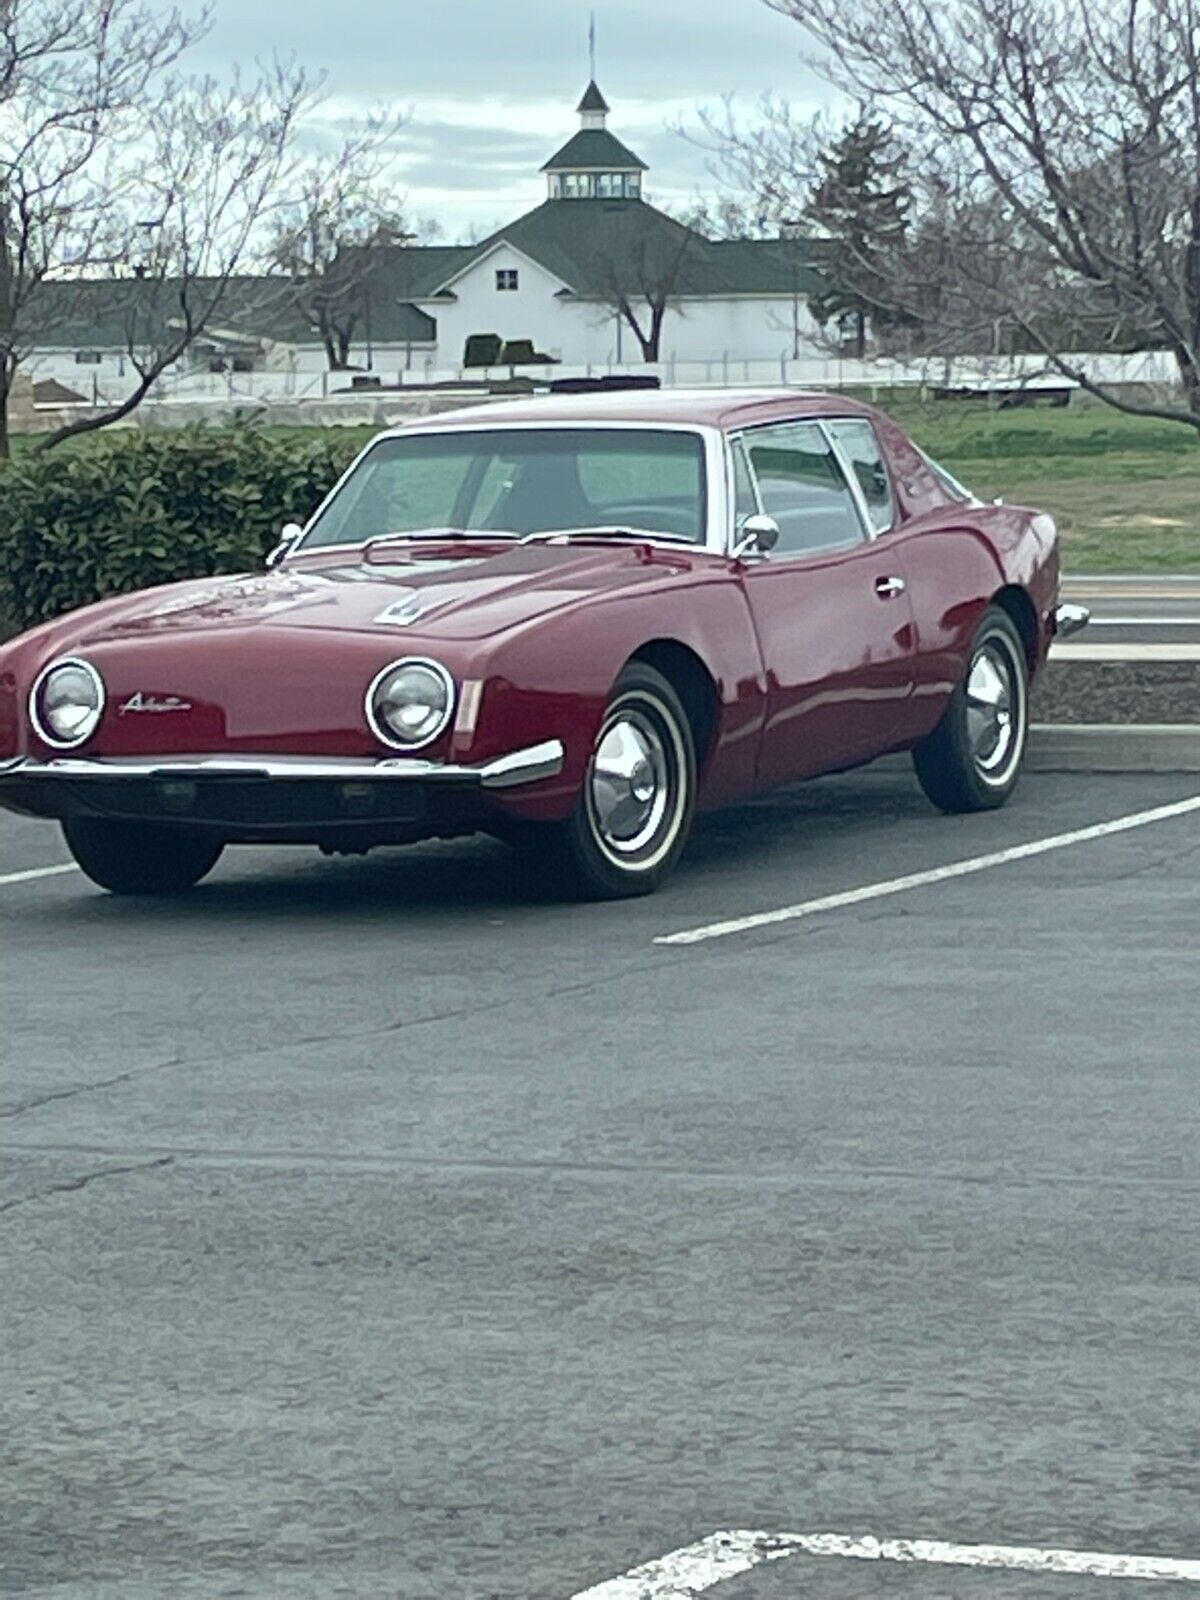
467,595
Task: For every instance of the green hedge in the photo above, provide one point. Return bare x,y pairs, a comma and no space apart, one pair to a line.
122,511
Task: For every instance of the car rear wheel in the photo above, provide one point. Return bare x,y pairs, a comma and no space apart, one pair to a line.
972,759
632,819
137,858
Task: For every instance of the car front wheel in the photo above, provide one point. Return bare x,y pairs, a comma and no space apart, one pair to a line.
633,816
137,858
972,759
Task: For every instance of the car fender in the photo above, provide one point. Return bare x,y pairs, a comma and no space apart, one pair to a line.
553,677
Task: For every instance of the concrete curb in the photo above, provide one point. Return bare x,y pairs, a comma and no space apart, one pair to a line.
1114,747
1126,652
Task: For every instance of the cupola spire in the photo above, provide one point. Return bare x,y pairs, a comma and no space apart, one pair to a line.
593,108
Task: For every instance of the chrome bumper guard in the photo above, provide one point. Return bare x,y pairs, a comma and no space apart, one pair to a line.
505,772
1069,619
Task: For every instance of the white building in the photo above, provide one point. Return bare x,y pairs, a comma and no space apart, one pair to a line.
582,273
594,277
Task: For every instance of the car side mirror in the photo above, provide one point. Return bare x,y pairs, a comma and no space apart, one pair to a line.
757,536
289,537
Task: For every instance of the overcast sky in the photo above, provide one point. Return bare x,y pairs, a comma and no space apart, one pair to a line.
493,84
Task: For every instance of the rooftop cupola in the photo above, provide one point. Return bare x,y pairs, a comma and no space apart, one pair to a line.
594,164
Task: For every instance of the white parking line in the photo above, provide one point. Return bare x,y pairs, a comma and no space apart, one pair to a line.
1124,652
696,1567
37,872
917,880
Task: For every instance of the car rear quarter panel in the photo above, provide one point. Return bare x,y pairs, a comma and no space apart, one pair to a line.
958,560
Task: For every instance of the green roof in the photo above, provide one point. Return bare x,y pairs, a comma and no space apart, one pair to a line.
595,148
594,245
414,272
106,313
592,100
771,266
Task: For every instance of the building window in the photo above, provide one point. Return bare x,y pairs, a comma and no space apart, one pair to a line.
609,186
633,186
506,278
87,358
556,186
577,185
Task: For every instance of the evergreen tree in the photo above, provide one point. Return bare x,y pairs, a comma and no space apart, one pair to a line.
859,206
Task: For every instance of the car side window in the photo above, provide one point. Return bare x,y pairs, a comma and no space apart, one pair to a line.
803,488
860,446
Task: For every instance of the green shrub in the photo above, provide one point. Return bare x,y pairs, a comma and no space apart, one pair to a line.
520,353
482,350
135,509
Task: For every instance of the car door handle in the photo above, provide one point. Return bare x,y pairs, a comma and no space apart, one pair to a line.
889,588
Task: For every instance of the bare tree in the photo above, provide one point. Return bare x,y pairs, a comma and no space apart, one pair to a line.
767,166
726,216
1055,157
124,186
639,271
325,237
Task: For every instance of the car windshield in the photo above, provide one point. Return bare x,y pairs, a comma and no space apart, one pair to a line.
521,481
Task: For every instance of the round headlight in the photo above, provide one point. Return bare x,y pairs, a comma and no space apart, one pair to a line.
410,702
67,703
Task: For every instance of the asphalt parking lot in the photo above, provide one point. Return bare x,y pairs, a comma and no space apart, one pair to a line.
380,1229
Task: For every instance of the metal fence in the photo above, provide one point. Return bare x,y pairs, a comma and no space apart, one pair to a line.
725,370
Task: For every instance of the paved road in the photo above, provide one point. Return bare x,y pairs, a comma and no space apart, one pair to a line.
377,1229
1147,609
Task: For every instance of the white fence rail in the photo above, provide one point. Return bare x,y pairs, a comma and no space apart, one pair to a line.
251,389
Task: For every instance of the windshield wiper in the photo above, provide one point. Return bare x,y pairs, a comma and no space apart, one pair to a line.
639,535
438,536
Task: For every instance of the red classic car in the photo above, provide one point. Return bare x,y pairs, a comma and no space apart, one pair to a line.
569,622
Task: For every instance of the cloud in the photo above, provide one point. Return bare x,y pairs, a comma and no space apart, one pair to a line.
492,85
518,51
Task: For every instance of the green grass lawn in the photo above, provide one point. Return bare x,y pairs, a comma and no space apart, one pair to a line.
1125,491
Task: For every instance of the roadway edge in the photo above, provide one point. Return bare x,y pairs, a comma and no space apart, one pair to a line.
1114,747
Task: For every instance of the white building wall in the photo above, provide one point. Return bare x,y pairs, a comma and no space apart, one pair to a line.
750,328
49,362
528,312
580,332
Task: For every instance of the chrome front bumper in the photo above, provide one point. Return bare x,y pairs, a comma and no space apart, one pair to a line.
504,772
1068,619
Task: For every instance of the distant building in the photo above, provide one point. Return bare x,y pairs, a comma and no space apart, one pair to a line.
576,279
560,275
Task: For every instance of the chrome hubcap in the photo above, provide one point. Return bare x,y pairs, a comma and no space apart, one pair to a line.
992,707
629,784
